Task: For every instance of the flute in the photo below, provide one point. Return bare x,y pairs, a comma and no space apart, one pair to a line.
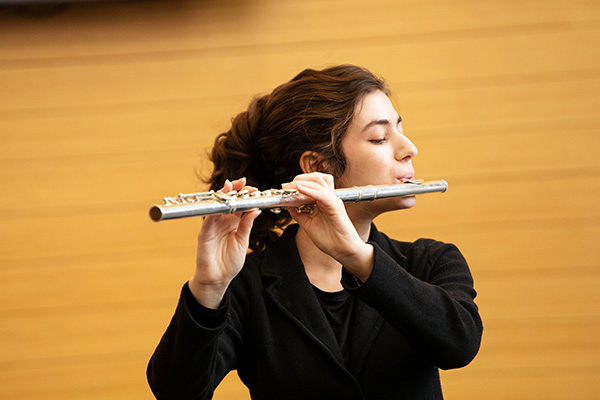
217,202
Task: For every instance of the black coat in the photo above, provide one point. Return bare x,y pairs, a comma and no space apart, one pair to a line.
414,314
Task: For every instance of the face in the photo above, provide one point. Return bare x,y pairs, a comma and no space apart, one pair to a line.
377,152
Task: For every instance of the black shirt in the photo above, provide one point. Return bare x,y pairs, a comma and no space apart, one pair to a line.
338,307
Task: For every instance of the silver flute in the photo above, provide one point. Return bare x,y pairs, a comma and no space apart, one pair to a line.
217,202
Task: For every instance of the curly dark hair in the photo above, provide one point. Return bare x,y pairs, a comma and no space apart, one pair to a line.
311,112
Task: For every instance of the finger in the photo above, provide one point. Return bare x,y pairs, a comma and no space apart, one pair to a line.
314,182
294,213
323,197
329,180
209,220
216,226
226,186
313,176
289,185
326,180
250,189
246,223
238,184
314,190
299,217
316,177
323,178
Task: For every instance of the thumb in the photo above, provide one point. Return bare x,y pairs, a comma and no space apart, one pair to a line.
246,223
300,217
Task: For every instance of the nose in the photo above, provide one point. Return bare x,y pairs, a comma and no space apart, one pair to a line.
405,149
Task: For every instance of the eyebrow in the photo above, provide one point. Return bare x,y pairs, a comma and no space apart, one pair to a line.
380,122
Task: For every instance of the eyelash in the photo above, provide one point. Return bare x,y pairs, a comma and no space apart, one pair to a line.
378,141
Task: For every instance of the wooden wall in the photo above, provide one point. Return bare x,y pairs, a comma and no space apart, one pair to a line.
107,108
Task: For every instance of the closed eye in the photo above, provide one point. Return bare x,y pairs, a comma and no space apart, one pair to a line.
378,141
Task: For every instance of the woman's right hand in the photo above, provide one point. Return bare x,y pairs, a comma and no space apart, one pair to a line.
222,246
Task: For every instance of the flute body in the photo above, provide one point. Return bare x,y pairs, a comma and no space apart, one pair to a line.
206,203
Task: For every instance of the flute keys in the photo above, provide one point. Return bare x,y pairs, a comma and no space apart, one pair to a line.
205,203
307,208
243,194
188,198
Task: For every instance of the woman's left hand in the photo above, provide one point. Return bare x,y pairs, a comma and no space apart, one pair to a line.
329,226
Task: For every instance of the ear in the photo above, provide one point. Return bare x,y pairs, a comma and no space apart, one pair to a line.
311,161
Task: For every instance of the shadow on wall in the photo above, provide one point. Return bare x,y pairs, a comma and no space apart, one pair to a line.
100,9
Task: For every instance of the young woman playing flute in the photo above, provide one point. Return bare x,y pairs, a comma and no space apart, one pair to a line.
317,304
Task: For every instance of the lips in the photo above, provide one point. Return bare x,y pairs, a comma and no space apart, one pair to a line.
406,178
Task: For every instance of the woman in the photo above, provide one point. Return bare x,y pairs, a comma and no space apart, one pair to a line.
331,308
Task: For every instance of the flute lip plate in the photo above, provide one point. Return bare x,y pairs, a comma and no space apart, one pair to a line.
413,181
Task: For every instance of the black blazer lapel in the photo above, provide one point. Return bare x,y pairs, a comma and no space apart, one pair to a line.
291,291
367,321
365,327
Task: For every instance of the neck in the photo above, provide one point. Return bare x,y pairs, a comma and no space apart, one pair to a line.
324,271
361,219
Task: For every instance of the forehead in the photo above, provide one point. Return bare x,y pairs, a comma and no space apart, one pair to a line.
375,105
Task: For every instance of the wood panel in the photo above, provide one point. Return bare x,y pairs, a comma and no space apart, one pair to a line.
507,148
106,108
172,79
552,383
123,230
91,279
104,377
98,325
163,28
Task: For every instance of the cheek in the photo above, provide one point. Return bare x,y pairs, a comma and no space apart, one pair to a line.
375,161
367,173
368,155
364,165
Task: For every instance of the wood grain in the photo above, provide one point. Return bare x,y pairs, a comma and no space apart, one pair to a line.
107,108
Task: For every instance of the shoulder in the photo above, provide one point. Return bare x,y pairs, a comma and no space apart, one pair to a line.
426,248
423,256
420,248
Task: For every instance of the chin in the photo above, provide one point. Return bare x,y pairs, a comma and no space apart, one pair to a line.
398,203
407,202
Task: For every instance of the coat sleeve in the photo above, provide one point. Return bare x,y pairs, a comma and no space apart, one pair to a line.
429,298
195,353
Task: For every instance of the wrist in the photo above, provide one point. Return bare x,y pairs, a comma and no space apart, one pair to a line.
209,294
359,263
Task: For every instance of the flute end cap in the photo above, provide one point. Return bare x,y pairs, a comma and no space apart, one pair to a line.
445,184
155,214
